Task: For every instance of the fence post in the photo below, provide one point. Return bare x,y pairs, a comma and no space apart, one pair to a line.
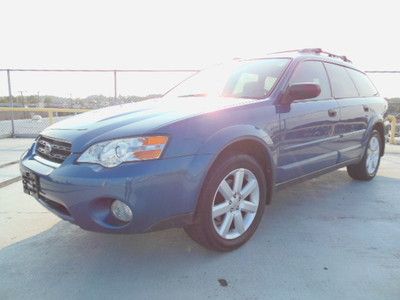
10,97
115,85
51,119
393,130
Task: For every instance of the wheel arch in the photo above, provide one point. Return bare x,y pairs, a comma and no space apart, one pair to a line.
379,126
256,149
258,146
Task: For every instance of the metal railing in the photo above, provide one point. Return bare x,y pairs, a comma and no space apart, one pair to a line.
14,121
28,121
49,111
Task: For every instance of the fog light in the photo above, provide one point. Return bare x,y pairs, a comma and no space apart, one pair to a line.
121,211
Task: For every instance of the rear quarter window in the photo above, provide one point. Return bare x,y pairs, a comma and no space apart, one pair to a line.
342,84
363,83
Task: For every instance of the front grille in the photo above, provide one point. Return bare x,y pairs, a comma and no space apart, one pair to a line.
53,150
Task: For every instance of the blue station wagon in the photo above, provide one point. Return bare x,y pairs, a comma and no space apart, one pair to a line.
208,155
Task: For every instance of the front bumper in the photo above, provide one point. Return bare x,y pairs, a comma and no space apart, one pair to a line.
161,193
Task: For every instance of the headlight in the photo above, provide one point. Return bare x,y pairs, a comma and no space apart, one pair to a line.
114,152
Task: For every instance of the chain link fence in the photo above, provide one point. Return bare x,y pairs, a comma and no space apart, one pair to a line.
33,99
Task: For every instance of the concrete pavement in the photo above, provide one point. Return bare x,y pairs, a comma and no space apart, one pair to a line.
12,149
27,127
10,152
327,238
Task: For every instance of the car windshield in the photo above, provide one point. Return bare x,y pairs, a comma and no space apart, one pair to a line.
253,79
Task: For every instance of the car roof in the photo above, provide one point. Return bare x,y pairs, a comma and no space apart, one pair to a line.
310,54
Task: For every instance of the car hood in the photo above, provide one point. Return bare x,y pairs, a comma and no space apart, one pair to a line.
137,118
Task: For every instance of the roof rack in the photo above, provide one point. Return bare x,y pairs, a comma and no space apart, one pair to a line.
316,51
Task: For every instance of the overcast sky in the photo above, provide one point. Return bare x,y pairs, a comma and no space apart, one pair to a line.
184,34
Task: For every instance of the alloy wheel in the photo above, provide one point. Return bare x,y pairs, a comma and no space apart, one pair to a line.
235,203
373,153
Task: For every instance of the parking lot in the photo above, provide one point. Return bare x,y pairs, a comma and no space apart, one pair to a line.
326,238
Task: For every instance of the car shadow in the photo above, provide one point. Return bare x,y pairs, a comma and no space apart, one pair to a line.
304,224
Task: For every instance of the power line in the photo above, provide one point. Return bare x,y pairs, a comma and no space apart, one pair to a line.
383,72
105,70
152,70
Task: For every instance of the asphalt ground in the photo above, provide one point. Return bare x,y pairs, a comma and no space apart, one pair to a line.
327,238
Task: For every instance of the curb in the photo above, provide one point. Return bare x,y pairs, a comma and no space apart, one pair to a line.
9,163
9,181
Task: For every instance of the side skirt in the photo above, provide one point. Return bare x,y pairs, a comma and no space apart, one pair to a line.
281,185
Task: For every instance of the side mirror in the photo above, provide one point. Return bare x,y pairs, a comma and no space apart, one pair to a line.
300,91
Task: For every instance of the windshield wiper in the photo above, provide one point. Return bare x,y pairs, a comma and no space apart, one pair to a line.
193,95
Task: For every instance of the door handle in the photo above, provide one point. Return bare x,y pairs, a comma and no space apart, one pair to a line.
366,108
332,113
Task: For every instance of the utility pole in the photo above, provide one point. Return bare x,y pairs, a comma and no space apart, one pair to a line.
40,104
10,97
22,98
22,102
115,86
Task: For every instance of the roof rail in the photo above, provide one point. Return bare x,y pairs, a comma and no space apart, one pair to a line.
316,51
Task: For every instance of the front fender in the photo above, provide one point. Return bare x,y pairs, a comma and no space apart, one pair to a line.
217,142
225,137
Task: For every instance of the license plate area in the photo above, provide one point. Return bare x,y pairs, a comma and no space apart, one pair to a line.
31,184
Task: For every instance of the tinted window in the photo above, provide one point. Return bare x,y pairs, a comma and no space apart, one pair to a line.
363,84
312,71
342,84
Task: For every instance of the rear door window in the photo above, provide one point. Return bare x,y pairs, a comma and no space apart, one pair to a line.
342,84
312,71
363,84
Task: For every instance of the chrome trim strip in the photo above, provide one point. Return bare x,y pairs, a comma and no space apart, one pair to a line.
328,139
353,133
310,143
55,139
46,162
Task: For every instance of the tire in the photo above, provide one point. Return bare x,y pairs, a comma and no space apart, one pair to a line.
367,168
219,205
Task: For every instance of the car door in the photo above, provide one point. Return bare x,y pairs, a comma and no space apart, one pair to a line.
354,111
308,141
